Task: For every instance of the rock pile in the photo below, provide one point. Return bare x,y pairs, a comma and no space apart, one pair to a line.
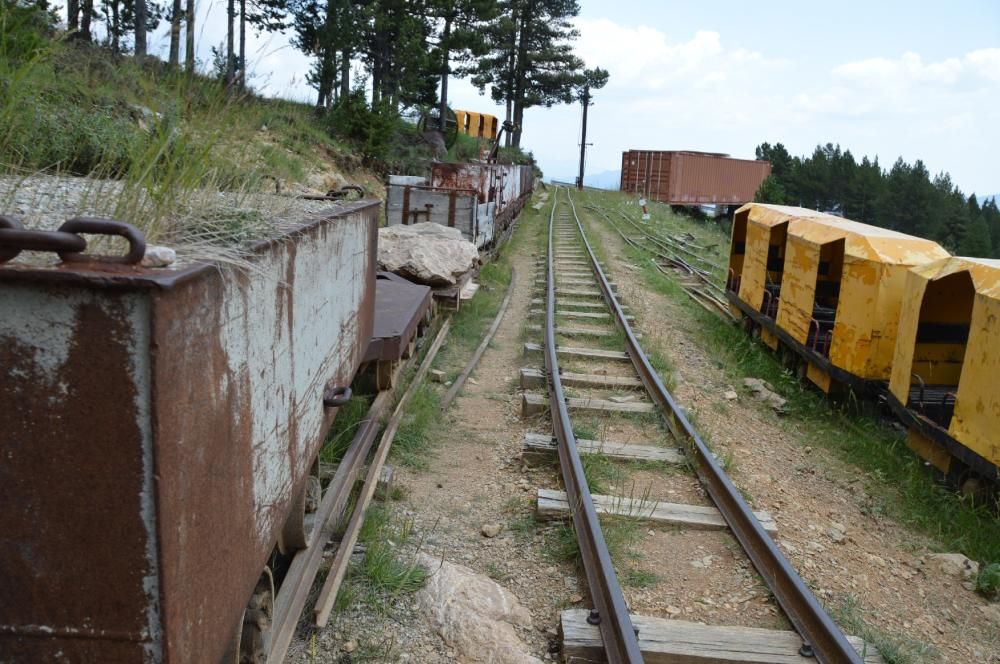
762,391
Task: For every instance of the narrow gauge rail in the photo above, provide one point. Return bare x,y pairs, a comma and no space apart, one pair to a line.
701,288
820,635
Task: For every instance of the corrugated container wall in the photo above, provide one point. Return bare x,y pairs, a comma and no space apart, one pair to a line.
692,178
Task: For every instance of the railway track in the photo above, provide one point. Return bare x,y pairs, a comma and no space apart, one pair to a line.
700,276
582,320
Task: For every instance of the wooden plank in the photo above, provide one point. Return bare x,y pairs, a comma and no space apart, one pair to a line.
579,292
582,315
553,504
574,283
581,353
536,443
664,641
571,331
535,404
579,304
533,378
338,569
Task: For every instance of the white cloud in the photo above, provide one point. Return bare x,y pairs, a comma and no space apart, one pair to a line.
710,91
706,92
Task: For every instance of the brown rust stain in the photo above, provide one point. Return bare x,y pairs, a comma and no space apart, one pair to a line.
73,550
211,557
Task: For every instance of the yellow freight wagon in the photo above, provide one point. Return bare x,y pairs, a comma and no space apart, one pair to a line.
477,125
825,287
945,365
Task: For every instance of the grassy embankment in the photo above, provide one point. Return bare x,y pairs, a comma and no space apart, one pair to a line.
168,142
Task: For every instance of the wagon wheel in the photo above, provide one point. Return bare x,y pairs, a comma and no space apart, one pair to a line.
255,637
295,533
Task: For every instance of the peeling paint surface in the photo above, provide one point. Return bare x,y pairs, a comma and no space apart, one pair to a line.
187,416
976,420
76,473
871,286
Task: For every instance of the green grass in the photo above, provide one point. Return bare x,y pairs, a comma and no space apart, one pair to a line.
898,481
601,473
620,534
497,573
414,441
75,109
637,578
847,611
988,581
345,426
388,568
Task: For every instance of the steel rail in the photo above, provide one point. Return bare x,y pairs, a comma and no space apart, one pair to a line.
473,362
669,244
707,300
700,273
821,636
621,643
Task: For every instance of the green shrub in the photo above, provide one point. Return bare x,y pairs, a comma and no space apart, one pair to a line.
988,581
25,29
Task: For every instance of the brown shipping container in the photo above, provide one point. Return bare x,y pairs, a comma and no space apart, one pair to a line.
692,178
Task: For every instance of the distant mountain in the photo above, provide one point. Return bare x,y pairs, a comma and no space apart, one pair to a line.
606,180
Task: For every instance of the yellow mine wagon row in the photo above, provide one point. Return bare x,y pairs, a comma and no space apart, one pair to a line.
854,306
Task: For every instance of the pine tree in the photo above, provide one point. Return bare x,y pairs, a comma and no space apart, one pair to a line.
189,37
176,16
531,61
770,191
461,38
977,241
991,215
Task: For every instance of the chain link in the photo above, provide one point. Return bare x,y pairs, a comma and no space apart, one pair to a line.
136,240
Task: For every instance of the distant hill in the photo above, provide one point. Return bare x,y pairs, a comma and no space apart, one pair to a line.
606,180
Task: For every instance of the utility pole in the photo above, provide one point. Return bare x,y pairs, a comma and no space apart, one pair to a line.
585,98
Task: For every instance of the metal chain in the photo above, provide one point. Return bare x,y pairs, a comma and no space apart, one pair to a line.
67,242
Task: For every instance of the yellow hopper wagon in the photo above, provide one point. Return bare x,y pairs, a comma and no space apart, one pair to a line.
824,290
945,365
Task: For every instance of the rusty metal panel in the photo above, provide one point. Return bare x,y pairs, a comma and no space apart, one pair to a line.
185,406
78,544
400,305
406,204
692,178
502,191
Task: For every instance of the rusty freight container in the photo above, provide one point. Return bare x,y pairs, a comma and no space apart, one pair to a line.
158,427
692,178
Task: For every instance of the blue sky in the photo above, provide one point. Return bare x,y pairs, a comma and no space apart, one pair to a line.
916,79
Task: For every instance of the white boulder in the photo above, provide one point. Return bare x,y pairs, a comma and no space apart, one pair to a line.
474,615
426,253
